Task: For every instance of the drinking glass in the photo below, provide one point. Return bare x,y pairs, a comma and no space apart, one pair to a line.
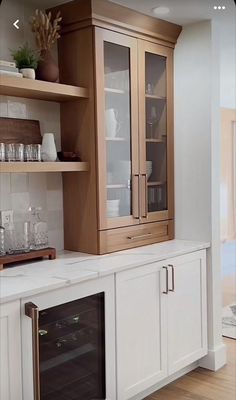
36,152
28,152
2,151
19,152
10,152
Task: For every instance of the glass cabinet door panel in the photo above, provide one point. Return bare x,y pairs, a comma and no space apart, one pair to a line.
72,350
118,130
156,131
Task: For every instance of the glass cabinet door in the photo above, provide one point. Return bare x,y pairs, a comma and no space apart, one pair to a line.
116,100
156,132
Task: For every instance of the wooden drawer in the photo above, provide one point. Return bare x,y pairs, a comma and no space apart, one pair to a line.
134,236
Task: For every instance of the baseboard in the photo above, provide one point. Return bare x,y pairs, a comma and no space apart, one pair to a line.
215,359
166,381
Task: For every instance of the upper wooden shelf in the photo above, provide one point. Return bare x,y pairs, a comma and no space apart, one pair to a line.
34,89
57,166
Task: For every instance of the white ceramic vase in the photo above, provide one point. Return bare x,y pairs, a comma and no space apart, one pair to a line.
49,151
28,73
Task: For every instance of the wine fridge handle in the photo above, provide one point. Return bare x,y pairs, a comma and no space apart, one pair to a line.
32,311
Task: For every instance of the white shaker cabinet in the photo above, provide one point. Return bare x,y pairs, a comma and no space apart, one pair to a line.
161,321
10,352
187,310
141,329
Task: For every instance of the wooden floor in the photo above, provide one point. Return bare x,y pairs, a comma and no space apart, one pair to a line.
202,384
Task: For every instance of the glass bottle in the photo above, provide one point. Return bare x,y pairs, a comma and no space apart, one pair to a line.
39,230
2,241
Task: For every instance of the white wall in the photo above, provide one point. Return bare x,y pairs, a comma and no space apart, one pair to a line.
19,191
197,158
228,61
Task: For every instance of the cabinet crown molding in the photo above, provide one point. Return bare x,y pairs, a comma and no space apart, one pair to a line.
83,13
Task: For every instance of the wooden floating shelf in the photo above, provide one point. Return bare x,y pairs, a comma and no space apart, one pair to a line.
27,167
117,91
156,183
154,97
40,90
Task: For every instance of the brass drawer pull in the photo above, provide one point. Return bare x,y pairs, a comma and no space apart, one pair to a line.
139,236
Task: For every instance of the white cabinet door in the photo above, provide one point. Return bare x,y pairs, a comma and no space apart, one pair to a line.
187,317
10,352
141,329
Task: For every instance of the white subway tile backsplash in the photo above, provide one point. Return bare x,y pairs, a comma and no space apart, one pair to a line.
54,200
5,183
5,200
54,220
56,239
20,202
54,181
38,199
3,106
17,108
38,183
19,183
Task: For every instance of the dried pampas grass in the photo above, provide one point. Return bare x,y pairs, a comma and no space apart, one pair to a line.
46,30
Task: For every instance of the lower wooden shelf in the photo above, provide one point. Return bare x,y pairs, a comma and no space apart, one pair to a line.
24,167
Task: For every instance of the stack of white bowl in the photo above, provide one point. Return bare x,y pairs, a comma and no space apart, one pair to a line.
113,208
149,168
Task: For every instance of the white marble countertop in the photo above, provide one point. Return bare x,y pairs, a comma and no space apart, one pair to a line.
71,268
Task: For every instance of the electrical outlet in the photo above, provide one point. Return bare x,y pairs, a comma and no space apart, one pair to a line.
6,219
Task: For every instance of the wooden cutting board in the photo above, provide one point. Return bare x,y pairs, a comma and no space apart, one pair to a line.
14,130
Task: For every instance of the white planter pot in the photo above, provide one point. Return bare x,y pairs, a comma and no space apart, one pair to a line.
48,151
28,73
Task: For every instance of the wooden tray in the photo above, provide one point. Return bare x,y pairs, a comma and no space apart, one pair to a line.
5,261
15,130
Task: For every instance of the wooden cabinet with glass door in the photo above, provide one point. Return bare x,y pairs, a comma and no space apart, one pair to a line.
125,130
156,132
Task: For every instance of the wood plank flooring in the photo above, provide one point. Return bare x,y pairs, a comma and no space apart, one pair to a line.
202,384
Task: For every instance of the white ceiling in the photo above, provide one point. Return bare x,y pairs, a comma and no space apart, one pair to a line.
181,11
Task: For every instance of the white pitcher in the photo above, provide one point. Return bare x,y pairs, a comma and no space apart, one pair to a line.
49,151
112,125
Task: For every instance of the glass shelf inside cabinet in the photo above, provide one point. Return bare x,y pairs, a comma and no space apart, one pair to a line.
156,131
117,129
72,350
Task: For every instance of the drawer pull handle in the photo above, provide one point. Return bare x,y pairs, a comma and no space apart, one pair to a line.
173,277
167,281
139,236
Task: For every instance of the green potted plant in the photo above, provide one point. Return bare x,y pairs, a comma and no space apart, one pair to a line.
26,60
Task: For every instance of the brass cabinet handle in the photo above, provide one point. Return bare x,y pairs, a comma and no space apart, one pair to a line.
146,235
167,281
135,196
173,277
144,196
32,311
